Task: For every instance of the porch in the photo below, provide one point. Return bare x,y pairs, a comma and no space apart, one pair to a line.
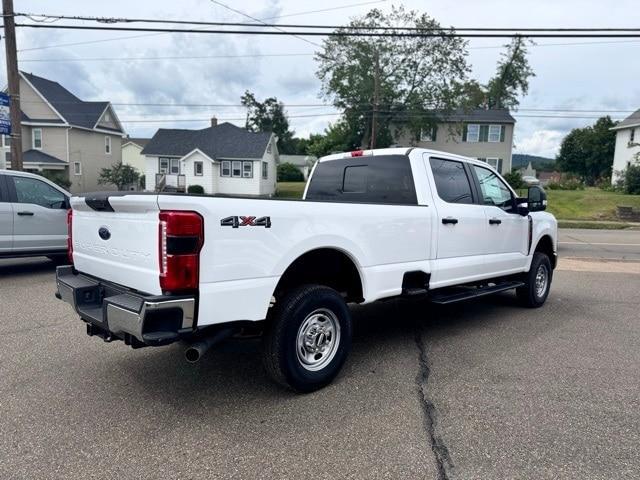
166,182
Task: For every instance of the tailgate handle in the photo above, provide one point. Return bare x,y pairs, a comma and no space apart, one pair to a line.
25,214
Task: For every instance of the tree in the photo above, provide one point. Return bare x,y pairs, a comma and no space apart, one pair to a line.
288,172
269,116
402,78
588,152
340,136
119,175
514,178
512,76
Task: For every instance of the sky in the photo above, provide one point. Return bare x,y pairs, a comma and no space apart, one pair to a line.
132,67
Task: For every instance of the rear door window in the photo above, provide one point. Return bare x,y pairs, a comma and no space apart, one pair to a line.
451,179
374,179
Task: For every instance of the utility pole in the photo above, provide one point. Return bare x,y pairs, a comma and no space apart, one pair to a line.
376,99
13,81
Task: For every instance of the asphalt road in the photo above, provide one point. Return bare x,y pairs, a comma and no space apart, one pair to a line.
600,244
477,390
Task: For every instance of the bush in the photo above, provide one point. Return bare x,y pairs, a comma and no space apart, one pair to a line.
56,177
288,172
514,179
632,180
566,184
195,189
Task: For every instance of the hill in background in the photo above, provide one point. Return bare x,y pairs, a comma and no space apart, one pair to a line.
519,160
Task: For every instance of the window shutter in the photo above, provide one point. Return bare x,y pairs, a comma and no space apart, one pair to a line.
484,133
464,133
434,133
499,165
502,130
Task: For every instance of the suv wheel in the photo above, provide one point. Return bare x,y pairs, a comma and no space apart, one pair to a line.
537,282
308,338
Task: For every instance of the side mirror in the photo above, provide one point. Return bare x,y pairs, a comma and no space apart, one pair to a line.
536,199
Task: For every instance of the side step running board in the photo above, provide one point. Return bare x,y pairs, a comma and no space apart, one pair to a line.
445,298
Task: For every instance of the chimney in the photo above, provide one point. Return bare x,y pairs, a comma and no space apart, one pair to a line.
214,122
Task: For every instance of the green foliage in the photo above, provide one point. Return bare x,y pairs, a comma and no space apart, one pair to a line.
120,175
632,180
514,178
199,189
56,177
269,116
415,75
512,76
588,152
288,172
340,136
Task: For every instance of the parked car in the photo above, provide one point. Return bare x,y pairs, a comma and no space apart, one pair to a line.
155,269
529,180
33,216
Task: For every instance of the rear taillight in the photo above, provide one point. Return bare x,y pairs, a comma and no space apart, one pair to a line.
69,235
181,236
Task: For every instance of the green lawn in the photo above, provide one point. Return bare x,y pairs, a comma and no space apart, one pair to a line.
290,189
587,204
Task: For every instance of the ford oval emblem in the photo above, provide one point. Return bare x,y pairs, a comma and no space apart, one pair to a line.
104,233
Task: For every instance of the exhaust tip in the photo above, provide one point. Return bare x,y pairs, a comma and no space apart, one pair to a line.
192,355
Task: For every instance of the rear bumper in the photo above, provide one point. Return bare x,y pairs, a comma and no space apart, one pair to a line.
116,313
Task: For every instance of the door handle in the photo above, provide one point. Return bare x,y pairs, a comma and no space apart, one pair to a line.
25,214
495,221
449,220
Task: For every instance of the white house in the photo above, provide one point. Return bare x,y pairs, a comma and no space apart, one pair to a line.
304,163
221,158
627,145
132,152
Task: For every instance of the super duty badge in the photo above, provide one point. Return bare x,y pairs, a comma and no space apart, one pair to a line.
239,221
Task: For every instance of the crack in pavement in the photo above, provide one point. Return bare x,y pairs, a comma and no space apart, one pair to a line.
444,463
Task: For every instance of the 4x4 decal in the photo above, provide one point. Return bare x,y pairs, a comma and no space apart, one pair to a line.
240,221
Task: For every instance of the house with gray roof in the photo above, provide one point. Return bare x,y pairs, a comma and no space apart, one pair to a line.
62,133
480,133
222,158
627,150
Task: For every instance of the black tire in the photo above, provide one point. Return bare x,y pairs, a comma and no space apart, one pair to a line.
307,305
529,295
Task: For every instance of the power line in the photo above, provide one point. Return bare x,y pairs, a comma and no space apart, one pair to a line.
263,24
216,2
339,33
258,55
129,37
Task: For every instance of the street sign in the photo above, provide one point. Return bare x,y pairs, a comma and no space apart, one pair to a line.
5,118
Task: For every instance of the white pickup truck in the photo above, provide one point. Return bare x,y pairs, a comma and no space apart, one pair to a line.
152,269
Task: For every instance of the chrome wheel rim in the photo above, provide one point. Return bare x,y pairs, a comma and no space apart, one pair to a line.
542,280
318,339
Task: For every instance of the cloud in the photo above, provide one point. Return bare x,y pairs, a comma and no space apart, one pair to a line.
545,143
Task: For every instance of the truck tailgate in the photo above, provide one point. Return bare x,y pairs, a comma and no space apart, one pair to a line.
120,246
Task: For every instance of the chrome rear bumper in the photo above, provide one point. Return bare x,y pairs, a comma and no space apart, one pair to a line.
114,312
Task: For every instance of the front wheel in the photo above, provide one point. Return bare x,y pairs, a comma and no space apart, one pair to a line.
308,338
537,282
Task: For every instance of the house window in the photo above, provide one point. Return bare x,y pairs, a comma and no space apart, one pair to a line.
164,165
37,138
7,159
632,135
265,170
428,134
225,170
174,166
237,169
473,133
107,144
247,169
107,117
197,169
494,133
269,148
77,168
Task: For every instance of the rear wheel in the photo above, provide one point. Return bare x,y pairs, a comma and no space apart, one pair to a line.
537,282
308,338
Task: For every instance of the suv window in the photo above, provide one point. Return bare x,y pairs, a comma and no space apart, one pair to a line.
33,191
373,179
451,179
493,189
